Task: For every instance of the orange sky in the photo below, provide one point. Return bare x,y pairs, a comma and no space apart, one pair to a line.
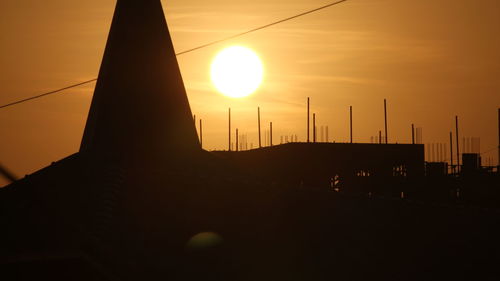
432,60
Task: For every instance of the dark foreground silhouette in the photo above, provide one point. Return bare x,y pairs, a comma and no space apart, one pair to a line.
142,201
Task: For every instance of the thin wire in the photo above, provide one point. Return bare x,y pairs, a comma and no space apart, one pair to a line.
48,93
184,52
263,27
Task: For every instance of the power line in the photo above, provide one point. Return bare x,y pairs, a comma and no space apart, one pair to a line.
264,26
48,93
186,51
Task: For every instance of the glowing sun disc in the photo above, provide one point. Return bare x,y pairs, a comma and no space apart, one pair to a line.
236,71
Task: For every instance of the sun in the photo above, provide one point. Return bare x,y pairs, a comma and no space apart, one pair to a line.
237,71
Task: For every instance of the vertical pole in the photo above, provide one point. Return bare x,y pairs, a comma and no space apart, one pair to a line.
271,133
327,139
458,146
229,144
498,160
438,154
194,121
451,152
412,134
432,153
385,119
237,139
427,149
380,137
258,118
201,134
435,152
314,127
445,152
441,152
308,119
350,121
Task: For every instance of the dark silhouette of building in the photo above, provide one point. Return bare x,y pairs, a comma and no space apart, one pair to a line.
471,162
436,169
142,201
140,105
347,166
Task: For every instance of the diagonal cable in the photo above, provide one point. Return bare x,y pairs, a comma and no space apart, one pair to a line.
186,51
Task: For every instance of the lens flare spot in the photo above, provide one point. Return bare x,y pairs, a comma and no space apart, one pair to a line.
204,240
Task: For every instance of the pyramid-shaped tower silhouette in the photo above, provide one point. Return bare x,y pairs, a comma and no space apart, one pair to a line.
140,105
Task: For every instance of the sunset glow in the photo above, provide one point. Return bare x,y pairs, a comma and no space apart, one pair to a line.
431,60
236,72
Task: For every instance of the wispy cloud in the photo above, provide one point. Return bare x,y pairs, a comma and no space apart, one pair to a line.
332,78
